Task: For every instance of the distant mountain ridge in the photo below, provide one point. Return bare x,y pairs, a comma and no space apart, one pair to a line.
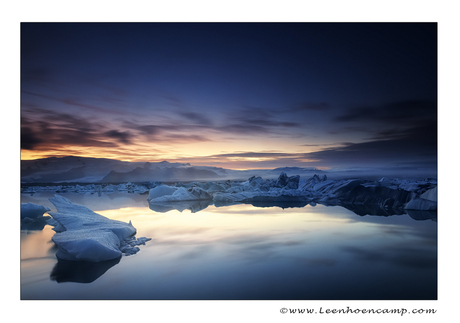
104,170
85,169
142,174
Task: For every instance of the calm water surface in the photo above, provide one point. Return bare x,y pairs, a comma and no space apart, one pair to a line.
240,252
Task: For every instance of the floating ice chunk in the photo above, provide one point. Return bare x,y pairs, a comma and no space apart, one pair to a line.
85,235
431,194
161,190
33,211
428,201
173,194
421,204
128,246
124,186
199,193
291,182
164,198
215,187
310,183
32,216
131,188
282,180
255,181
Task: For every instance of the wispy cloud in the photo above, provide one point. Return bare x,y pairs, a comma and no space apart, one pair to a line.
196,118
395,146
256,120
122,137
67,101
185,138
48,129
396,113
256,155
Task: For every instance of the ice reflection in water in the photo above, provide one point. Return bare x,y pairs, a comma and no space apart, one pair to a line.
247,252
80,271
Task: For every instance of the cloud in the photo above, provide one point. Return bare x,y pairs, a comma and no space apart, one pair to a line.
168,133
311,145
68,101
244,129
255,155
123,137
396,113
255,120
390,147
144,129
185,138
248,121
47,129
198,118
29,138
423,133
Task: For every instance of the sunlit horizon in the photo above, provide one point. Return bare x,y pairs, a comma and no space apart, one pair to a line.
234,164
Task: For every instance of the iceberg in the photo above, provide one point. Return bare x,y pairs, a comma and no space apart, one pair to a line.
163,193
88,188
32,217
33,211
383,197
159,191
163,198
428,201
83,235
291,182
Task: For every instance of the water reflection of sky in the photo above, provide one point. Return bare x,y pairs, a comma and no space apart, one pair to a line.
243,252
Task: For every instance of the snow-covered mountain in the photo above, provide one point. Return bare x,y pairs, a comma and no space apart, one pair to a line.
102,170
95,170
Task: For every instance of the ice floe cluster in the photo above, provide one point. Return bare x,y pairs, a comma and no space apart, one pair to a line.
89,188
83,235
385,194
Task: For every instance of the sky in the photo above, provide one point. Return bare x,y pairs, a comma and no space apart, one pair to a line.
232,95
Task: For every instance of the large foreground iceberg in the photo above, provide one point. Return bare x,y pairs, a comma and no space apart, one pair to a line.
84,235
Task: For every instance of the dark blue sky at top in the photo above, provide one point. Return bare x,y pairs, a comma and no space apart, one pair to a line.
353,94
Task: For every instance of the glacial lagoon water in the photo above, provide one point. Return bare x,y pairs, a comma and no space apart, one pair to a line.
240,252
